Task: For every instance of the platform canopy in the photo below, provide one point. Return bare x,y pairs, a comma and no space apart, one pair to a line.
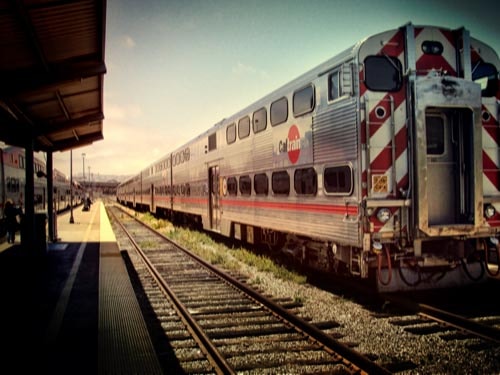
51,72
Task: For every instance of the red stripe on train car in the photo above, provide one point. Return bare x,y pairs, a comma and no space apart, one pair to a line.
300,207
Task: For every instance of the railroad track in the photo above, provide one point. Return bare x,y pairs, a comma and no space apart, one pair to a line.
478,329
431,319
216,323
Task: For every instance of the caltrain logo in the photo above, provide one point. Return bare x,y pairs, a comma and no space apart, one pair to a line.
291,144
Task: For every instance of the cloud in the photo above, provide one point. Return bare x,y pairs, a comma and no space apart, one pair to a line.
114,112
242,69
128,42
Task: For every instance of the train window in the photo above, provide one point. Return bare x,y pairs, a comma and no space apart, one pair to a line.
486,75
261,184
245,185
244,127
279,111
434,130
383,73
280,182
12,185
231,133
334,91
259,120
212,142
338,180
232,186
303,101
305,181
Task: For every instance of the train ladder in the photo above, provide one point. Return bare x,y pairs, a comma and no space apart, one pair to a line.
355,264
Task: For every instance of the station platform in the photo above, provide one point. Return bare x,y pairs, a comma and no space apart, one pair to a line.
71,309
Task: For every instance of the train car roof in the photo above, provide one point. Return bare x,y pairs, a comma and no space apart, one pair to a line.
51,71
302,80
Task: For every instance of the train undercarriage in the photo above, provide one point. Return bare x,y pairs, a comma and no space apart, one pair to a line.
439,264
444,263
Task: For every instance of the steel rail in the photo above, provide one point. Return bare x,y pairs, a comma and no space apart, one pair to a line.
352,358
217,360
461,323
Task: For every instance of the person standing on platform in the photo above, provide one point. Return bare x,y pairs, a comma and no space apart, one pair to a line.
11,220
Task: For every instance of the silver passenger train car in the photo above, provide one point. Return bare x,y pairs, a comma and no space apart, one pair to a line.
382,161
13,182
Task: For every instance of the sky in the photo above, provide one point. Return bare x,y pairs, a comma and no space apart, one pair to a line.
177,67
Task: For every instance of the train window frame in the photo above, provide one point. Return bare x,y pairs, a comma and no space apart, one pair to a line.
244,127
261,184
259,120
486,75
305,181
373,73
277,114
245,185
232,186
442,135
332,96
303,101
231,133
338,191
212,142
278,185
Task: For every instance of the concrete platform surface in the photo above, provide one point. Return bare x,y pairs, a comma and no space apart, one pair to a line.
72,309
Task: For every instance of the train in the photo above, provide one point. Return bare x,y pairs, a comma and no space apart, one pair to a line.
382,163
13,181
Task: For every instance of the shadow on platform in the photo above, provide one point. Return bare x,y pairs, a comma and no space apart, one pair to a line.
34,339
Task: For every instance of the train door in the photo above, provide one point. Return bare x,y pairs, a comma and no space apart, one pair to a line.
213,200
152,206
450,167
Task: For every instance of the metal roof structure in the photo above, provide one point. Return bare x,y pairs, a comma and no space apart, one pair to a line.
51,72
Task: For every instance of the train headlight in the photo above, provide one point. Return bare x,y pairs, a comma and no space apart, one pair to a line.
489,211
377,247
383,215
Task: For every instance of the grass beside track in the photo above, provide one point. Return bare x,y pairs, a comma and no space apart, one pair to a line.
217,253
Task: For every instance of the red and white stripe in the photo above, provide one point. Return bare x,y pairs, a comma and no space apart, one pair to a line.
445,62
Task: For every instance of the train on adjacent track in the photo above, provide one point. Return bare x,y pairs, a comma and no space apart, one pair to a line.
383,161
13,181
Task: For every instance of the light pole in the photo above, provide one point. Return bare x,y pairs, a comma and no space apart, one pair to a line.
90,182
83,157
71,219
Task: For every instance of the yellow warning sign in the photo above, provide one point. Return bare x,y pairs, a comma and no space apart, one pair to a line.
380,183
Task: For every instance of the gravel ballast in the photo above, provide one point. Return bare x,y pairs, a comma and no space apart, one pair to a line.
377,337
374,335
